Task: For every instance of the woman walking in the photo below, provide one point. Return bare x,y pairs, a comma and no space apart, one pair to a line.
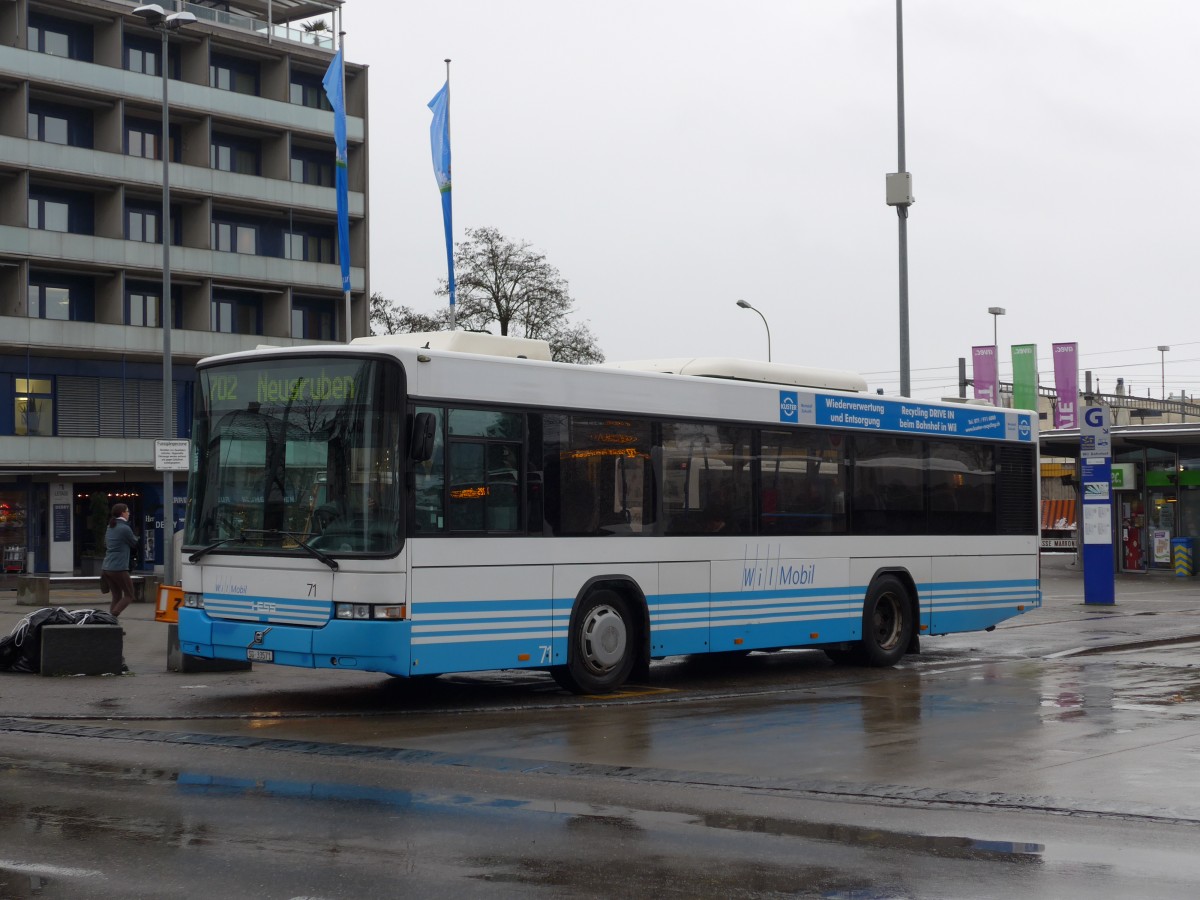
119,541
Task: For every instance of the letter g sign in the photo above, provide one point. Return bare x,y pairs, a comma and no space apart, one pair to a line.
1094,417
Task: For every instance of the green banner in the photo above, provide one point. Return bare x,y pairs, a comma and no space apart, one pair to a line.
1025,376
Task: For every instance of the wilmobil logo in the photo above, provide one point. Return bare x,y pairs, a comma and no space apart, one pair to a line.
768,573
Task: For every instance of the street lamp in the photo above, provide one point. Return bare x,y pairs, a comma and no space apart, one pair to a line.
1162,359
158,18
899,195
744,305
997,312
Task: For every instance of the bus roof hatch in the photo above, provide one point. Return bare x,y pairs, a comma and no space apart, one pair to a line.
751,370
474,342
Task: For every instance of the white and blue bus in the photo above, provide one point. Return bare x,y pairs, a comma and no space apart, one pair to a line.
453,502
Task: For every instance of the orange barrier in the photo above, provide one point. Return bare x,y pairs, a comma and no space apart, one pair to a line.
169,600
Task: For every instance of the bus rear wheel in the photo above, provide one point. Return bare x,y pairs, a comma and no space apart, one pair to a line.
888,623
601,646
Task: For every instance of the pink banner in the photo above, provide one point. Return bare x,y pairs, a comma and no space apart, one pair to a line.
1066,385
983,373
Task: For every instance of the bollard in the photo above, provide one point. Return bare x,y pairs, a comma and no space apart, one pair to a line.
1182,557
178,661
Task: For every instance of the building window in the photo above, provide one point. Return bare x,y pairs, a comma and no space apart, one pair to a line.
142,55
236,313
142,309
312,167
230,154
47,301
51,210
65,298
55,124
306,89
57,37
48,215
309,246
228,73
34,406
141,141
142,225
48,127
235,237
143,305
314,320
143,138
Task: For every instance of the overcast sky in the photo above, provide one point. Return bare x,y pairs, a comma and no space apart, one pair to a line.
669,157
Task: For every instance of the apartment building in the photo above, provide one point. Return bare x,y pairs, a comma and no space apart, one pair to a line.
253,238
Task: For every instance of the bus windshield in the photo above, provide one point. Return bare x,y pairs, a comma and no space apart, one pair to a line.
296,456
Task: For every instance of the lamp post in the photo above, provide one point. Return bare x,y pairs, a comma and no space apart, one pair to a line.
744,305
1162,360
899,195
996,313
156,17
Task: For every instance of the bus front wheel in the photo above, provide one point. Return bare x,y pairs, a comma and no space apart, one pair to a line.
601,645
888,623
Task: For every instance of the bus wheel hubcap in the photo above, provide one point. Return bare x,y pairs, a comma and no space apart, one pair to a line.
604,638
887,621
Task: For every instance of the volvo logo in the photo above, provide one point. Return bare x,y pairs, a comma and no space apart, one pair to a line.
259,636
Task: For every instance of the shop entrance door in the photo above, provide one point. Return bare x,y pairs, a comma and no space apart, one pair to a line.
1160,508
1133,553
93,502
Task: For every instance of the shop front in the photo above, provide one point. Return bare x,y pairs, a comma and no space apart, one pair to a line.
14,514
58,527
1155,490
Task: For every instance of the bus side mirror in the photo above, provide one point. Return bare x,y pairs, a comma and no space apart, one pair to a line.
420,444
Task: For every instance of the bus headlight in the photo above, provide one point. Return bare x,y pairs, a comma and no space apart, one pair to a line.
193,600
369,611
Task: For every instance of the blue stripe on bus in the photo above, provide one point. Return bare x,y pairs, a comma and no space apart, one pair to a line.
436,607
479,633
475,620
256,608
975,585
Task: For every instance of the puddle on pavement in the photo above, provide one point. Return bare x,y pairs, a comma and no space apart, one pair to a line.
619,820
1161,685
660,876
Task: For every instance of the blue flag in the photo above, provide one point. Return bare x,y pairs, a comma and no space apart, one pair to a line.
332,82
439,140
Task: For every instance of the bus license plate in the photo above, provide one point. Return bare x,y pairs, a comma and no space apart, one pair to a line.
260,655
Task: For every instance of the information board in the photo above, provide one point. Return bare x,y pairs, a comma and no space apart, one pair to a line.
171,456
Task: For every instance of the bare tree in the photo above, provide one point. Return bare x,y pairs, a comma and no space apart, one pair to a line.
393,318
509,287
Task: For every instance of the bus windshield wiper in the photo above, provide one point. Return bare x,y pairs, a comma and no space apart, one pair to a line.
204,551
299,539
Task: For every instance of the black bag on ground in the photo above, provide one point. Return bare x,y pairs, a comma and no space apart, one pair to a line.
21,651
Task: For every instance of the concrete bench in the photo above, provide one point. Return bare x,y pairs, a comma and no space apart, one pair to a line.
38,587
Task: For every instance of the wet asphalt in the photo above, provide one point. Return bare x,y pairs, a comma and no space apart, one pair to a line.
1055,756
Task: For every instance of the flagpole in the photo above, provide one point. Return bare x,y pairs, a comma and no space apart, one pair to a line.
342,50
453,306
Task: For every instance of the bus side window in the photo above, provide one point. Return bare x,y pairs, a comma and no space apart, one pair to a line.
503,487
579,515
429,480
803,482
